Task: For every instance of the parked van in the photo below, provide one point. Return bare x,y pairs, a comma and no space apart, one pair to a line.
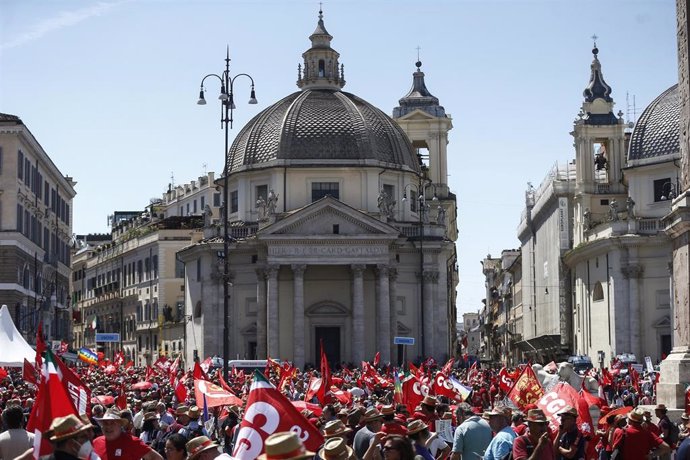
581,363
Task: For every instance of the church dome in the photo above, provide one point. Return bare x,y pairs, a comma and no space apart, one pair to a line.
657,132
322,126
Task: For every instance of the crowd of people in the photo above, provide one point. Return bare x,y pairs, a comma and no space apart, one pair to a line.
154,422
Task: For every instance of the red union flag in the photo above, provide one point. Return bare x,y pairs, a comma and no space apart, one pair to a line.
444,387
561,396
505,381
268,412
526,389
215,395
413,392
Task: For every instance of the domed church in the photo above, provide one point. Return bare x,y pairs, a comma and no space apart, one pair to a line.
342,229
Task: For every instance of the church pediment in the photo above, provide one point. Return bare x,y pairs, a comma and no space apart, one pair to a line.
662,323
416,115
331,217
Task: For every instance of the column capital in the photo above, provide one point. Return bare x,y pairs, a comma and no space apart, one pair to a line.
261,274
298,269
358,268
393,273
272,270
430,276
382,269
632,271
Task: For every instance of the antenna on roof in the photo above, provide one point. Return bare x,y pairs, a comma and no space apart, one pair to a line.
205,166
631,110
172,179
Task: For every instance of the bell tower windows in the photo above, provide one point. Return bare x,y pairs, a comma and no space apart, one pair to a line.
322,68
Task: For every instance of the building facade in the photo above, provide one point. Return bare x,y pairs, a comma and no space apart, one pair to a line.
620,260
35,234
342,229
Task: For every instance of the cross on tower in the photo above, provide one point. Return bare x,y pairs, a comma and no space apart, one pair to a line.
594,37
418,48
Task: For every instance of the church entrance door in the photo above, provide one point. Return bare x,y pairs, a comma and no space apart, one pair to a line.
331,345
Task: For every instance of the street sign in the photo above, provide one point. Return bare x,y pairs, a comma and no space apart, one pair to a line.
107,336
403,340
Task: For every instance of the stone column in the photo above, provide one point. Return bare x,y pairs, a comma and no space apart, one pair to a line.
632,274
273,327
358,313
675,369
383,313
430,283
298,315
261,313
444,320
393,295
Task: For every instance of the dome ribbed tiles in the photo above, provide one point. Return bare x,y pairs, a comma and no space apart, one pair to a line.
657,132
322,125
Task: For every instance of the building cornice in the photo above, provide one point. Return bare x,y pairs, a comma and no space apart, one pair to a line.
590,249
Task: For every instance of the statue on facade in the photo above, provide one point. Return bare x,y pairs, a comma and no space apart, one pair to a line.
587,217
261,206
630,206
271,202
425,212
208,216
613,211
441,215
386,205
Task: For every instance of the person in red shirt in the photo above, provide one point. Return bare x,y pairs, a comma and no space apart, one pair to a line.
635,442
519,426
536,444
427,413
116,444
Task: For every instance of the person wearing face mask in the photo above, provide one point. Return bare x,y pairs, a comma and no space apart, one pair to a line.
71,439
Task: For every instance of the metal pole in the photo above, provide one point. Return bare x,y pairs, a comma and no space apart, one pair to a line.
226,270
421,263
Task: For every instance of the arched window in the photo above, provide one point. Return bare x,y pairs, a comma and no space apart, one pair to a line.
598,292
322,68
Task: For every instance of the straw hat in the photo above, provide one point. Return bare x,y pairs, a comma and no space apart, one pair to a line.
661,407
181,410
388,410
636,415
415,426
284,446
112,414
536,416
194,412
371,414
67,427
500,410
199,445
568,410
429,401
685,417
335,428
150,416
336,449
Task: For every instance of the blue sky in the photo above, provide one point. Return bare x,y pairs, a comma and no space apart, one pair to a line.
109,88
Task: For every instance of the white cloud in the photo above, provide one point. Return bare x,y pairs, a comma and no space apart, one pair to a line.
63,20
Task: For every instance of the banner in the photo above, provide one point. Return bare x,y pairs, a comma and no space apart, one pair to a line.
268,412
526,390
561,396
505,382
215,395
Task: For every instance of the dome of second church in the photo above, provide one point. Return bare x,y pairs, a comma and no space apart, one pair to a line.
322,125
657,132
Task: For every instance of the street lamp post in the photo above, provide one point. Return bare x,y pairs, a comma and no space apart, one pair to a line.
422,212
226,98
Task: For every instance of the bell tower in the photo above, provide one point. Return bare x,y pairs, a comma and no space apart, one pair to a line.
426,124
600,152
321,69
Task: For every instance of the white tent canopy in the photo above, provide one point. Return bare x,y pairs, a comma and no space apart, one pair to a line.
13,347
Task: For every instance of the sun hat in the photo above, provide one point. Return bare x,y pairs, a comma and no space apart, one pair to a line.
371,414
388,410
568,410
194,412
415,426
336,449
335,428
636,415
151,416
536,416
284,446
112,414
661,407
67,427
429,401
199,445
181,410
500,410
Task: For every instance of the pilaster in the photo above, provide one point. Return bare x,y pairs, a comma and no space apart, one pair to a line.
298,315
383,314
358,313
261,345
273,328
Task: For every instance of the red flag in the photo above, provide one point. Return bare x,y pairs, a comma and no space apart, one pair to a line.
29,372
206,364
198,373
268,412
463,342
315,388
592,400
448,367
162,364
413,370
526,389
172,370
119,359
79,393
180,391
442,386
224,385
413,392
325,368
129,364
51,401
505,382
121,400
149,373
606,377
3,374
215,395
377,357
